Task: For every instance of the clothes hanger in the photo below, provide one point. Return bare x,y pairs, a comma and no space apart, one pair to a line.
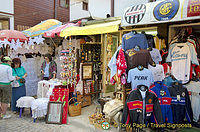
134,31
143,32
140,67
142,87
154,64
137,48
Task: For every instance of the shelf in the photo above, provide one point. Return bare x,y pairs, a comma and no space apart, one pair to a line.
93,43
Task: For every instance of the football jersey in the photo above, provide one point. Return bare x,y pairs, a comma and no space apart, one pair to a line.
181,55
140,77
155,55
158,72
194,92
130,40
135,58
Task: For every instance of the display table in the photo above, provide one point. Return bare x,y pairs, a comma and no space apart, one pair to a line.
45,88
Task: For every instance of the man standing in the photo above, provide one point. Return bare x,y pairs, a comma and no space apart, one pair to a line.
5,86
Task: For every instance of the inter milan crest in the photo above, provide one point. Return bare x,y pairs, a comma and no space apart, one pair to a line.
135,13
166,10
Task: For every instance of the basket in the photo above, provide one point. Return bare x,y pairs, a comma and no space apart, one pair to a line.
74,110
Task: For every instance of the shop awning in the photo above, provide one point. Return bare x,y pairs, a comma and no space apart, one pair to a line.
42,27
57,30
91,29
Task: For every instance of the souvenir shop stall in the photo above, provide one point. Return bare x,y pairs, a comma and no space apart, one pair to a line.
159,76
53,95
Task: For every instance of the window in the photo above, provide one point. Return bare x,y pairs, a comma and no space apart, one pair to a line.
4,24
64,3
85,6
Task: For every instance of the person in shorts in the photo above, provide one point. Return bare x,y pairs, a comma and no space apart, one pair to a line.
6,78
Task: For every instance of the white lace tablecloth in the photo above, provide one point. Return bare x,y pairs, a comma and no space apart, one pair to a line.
39,107
25,102
45,88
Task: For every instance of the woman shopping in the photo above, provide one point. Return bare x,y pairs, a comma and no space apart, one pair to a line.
49,68
18,89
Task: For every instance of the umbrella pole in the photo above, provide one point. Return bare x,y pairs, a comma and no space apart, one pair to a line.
53,42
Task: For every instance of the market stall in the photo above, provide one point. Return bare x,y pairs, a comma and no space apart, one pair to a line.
161,71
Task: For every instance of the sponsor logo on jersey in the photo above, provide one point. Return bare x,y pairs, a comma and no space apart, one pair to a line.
150,100
135,14
178,55
166,10
128,37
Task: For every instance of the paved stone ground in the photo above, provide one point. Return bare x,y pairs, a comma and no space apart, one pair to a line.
76,124
25,124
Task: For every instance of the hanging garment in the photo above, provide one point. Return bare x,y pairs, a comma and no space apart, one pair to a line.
167,68
158,72
130,40
113,67
159,43
135,58
168,81
133,110
194,92
150,40
165,99
181,55
32,79
164,55
155,55
121,63
181,105
137,77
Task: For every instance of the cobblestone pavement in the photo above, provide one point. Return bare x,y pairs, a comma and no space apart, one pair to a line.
76,124
25,124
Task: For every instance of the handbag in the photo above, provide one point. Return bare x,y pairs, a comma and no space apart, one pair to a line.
15,84
21,80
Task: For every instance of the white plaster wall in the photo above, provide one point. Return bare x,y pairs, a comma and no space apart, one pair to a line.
121,5
7,6
76,11
97,8
100,8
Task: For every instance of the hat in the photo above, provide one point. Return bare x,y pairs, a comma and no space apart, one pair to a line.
6,58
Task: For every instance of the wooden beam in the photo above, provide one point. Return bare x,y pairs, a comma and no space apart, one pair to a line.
184,25
6,13
112,8
146,28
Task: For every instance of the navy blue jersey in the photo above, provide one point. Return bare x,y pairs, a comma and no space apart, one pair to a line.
130,40
181,105
164,98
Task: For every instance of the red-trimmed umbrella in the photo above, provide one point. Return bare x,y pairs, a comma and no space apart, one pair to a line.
12,34
57,30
